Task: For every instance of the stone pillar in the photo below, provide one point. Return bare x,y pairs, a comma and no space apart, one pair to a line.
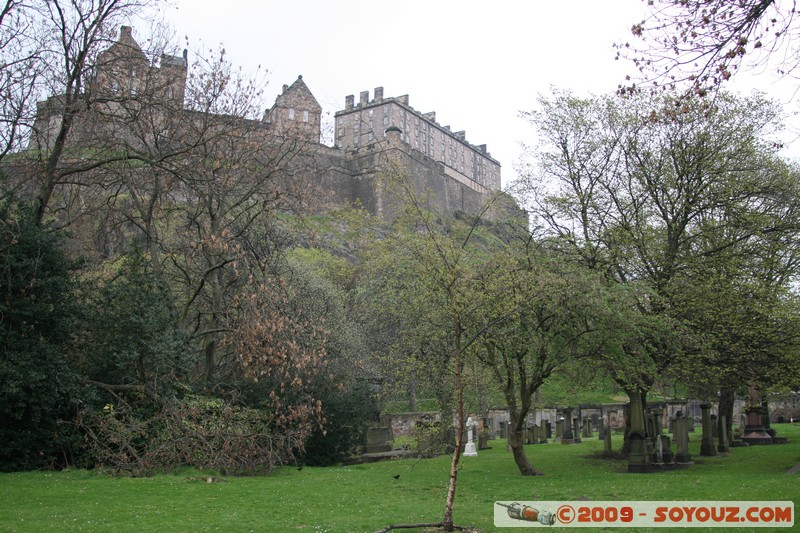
707,448
663,442
639,458
576,429
587,428
559,429
681,435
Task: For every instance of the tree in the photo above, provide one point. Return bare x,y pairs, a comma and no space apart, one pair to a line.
38,387
55,45
703,43
546,314
649,190
129,336
435,263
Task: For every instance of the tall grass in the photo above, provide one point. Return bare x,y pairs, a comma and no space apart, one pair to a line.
369,497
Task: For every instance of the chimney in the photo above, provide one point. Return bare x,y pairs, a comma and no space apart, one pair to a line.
125,33
348,102
378,94
482,148
364,98
461,135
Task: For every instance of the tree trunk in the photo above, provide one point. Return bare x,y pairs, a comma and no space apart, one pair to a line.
451,490
517,444
640,401
726,399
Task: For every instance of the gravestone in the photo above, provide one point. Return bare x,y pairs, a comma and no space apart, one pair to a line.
587,428
672,408
707,448
663,442
639,460
548,427
681,435
607,440
469,450
528,433
755,431
576,429
568,437
559,429
377,439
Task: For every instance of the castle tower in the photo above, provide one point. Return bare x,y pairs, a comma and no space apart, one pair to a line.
124,71
296,113
122,68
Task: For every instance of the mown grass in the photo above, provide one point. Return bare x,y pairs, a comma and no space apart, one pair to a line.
368,497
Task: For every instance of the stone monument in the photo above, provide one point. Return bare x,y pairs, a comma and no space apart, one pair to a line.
470,450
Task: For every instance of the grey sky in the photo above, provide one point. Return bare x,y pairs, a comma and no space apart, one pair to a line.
476,64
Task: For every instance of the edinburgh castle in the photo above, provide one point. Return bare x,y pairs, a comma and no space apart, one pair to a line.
139,102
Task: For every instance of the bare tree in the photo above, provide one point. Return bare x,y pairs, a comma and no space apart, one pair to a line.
51,48
703,43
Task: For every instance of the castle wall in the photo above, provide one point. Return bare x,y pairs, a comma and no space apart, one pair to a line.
364,176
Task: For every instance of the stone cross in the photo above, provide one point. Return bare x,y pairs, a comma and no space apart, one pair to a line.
470,450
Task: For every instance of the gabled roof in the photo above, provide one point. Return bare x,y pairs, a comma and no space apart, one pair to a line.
297,95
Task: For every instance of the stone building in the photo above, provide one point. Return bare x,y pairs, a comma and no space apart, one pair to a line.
296,112
367,121
371,136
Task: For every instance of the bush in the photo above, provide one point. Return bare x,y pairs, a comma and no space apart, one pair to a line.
202,432
37,384
347,410
429,437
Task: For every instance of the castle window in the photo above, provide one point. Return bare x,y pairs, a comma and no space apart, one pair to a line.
386,110
385,120
305,116
291,113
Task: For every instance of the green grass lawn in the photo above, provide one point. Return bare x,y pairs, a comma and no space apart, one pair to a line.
368,497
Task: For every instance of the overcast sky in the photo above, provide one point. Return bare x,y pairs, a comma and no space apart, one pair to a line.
476,64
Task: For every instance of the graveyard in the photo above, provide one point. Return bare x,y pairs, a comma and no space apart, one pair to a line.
369,497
